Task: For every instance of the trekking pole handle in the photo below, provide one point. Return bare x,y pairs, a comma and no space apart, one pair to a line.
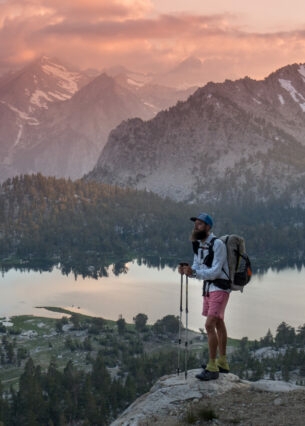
182,264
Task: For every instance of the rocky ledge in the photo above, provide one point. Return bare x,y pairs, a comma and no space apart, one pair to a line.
175,397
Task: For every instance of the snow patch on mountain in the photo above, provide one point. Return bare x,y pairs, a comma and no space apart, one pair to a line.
32,121
38,99
281,99
296,96
42,99
18,136
134,83
302,70
67,79
153,107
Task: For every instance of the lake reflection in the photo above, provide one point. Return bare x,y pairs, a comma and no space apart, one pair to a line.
266,302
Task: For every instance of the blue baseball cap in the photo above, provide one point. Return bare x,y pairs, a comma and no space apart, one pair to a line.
204,217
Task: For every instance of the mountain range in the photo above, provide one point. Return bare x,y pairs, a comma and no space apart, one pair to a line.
242,139
230,140
56,120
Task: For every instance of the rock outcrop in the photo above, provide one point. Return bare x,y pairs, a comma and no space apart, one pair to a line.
171,396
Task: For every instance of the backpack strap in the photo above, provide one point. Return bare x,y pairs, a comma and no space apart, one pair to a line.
211,244
219,282
196,245
208,260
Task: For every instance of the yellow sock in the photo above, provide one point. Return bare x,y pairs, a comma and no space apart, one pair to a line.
211,365
222,362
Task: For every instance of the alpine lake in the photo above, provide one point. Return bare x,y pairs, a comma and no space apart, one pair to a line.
268,300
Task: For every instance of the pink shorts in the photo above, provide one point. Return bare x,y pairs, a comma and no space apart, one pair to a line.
215,304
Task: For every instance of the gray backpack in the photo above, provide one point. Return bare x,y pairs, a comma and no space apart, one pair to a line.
240,271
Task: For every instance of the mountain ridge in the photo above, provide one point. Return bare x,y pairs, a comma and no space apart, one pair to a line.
224,139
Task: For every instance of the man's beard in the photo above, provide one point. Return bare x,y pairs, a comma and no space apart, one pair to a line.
199,235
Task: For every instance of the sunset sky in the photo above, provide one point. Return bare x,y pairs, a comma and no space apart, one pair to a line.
237,36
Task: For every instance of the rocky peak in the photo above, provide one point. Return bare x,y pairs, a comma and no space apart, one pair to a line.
172,397
188,73
39,84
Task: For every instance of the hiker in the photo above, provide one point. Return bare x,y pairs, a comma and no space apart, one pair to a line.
212,267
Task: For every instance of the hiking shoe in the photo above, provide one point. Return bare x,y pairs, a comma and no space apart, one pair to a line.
207,375
221,370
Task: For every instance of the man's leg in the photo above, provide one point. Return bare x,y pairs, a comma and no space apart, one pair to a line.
222,336
210,327
211,371
222,362
217,335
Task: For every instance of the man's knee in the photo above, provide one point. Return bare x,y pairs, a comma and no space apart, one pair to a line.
220,324
210,324
215,324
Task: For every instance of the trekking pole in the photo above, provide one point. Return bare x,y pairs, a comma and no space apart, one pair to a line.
186,325
180,319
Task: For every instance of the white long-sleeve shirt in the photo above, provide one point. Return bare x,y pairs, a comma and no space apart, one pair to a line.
219,264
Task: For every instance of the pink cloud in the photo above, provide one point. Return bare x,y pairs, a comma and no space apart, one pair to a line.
99,33
164,27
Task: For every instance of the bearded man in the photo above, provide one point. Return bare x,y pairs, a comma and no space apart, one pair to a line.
210,264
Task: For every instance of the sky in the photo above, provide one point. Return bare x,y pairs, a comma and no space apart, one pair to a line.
238,37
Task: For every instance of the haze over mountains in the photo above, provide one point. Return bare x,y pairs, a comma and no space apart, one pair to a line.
230,140
56,120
